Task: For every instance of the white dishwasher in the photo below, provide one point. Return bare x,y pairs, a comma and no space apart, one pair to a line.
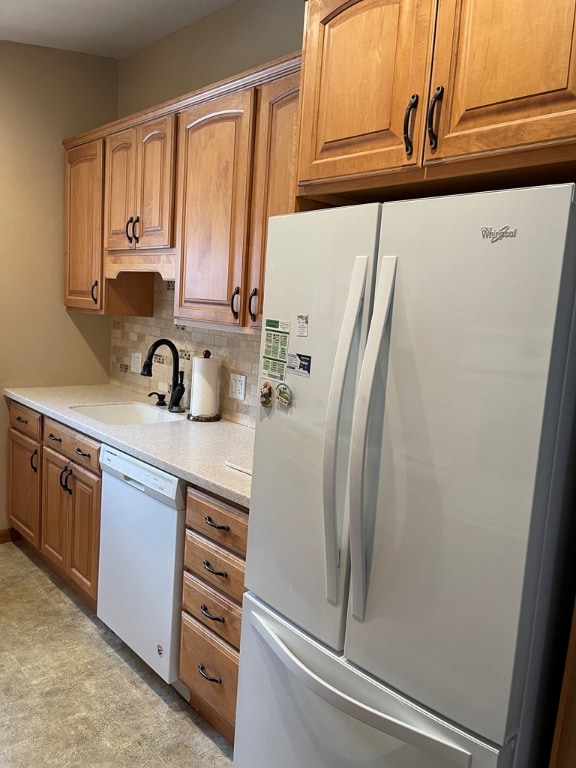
141,550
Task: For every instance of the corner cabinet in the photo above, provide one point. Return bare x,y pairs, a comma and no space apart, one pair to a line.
139,187
236,167
25,471
410,90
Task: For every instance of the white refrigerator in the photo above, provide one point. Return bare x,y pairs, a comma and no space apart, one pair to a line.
407,494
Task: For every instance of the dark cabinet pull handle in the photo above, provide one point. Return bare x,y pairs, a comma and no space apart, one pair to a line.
201,669
432,136
136,238
94,286
208,520
130,221
412,104
53,437
65,483
21,420
235,293
64,468
80,452
204,610
252,295
209,568
35,468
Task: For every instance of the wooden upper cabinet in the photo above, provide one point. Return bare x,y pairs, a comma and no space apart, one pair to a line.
139,190
83,234
508,70
213,187
274,178
364,63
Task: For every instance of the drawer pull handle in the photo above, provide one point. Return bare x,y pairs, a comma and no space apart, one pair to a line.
21,420
209,615
209,568
201,669
80,452
54,438
208,520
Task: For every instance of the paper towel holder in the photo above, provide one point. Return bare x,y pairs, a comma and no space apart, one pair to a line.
217,416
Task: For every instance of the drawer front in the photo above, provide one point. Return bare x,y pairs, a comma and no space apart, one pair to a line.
202,653
215,611
224,525
65,440
214,565
25,420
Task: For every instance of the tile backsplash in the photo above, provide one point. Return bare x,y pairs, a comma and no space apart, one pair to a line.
237,353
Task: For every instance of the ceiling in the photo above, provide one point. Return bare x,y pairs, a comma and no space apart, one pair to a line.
114,28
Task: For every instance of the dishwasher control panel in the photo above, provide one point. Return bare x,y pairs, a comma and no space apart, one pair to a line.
150,480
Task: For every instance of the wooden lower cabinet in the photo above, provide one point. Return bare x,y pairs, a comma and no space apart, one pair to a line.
213,585
24,477
70,531
564,746
54,491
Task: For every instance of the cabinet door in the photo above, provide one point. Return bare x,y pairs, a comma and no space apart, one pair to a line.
53,536
509,74
24,464
274,177
83,236
362,63
214,162
155,184
84,529
120,190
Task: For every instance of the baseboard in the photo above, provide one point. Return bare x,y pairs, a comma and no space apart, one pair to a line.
8,534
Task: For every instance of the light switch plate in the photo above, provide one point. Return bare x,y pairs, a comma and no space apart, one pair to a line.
135,362
237,386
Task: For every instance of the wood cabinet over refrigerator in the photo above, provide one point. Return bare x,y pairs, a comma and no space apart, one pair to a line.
399,91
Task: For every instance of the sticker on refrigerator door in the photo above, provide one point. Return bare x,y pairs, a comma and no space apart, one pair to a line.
299,364
302,325
275,354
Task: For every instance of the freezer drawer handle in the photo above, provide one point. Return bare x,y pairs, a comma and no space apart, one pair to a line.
352,311
204,610
427,742
375,360
208,520
201,669
209,568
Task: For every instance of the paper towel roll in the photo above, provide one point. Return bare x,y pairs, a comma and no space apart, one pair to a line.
204,403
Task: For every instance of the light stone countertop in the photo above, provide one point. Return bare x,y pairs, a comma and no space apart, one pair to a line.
194,451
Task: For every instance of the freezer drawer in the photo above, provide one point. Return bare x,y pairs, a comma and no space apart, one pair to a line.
313,710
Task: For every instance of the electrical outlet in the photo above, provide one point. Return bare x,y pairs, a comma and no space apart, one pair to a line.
135,362
237,386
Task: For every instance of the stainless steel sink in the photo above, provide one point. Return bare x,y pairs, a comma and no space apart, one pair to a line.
126,413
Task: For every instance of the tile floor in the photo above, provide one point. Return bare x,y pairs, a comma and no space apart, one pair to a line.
72,694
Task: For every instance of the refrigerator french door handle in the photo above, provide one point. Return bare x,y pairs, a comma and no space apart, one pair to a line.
334,407
432,744
378,326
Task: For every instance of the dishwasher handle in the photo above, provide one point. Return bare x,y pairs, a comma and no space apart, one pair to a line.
134,483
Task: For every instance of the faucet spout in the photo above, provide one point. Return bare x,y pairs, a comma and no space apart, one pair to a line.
177,376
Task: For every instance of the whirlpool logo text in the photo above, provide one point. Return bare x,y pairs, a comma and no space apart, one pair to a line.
494,235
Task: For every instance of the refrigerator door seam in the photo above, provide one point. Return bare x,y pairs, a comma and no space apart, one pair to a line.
334,407
379,327
446,751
